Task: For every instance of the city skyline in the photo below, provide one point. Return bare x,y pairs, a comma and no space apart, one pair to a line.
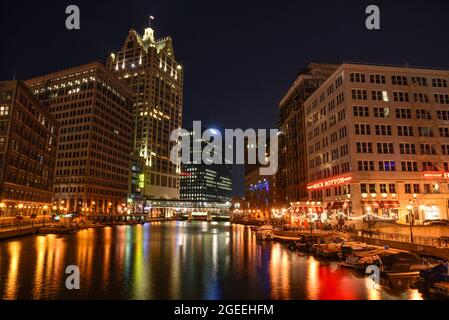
231,151
250,60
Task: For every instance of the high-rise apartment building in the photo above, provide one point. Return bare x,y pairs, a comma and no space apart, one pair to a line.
378,143
149,67
28,138
292,174
93,110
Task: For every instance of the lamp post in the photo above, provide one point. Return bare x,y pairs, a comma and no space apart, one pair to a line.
311,220
410,220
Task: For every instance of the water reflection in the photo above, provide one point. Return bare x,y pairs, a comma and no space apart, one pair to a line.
177,261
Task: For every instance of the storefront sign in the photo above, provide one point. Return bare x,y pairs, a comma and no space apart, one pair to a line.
436,175
432,213
329,183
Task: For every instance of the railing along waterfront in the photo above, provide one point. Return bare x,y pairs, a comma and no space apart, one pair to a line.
441,242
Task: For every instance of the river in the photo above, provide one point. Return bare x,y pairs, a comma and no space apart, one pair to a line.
177,260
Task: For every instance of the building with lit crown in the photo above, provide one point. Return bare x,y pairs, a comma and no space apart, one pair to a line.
28,138
378,144
93,110
149,67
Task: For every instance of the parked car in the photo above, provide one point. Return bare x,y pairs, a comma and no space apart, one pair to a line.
436,223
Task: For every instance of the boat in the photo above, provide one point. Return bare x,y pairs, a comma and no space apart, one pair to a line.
351,247
58,230
403,264
328,250
361,260
440,289
264,232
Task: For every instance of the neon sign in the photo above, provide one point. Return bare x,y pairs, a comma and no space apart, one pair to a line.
329,183
436,174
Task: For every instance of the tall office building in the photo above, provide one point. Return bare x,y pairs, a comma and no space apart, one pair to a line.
292,174
378,143
93,109
148,66
202,182
28,138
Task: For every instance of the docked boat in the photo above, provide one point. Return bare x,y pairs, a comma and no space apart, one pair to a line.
264,232
440,289
306,243
361,260
351,247
328,250
435,281
58,230
403,264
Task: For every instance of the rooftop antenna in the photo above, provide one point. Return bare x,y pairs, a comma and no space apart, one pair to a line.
151,18
14,74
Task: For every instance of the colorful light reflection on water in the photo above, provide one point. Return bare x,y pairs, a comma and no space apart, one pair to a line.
179,260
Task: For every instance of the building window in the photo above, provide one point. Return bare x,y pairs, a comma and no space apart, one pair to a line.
364,147
381,112
408,188
399,80
383,130
427,149
441,98
423,114
363,188
366,165
421,97
387,166
445,150
403,113
377,78
400,96
405,131
385,148
443,115
360,111
444,132
4,110
379,95
407,148
420,81
425,132
416,188
429,166
392,188
362,129
439,83
359,94
409,166
357,77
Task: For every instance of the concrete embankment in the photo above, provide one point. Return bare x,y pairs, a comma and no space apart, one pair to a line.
17,233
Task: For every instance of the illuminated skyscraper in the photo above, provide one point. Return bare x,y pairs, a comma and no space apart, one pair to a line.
93,110
149,67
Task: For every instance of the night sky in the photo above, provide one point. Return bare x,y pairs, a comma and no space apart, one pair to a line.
239,57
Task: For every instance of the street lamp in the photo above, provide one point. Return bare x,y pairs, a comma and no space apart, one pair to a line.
311,220
410,210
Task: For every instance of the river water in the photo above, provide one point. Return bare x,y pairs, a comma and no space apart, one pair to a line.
177,260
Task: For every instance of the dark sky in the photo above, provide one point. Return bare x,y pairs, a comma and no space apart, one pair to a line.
239,57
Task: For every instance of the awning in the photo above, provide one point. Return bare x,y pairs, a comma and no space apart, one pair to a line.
389,204
374,204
